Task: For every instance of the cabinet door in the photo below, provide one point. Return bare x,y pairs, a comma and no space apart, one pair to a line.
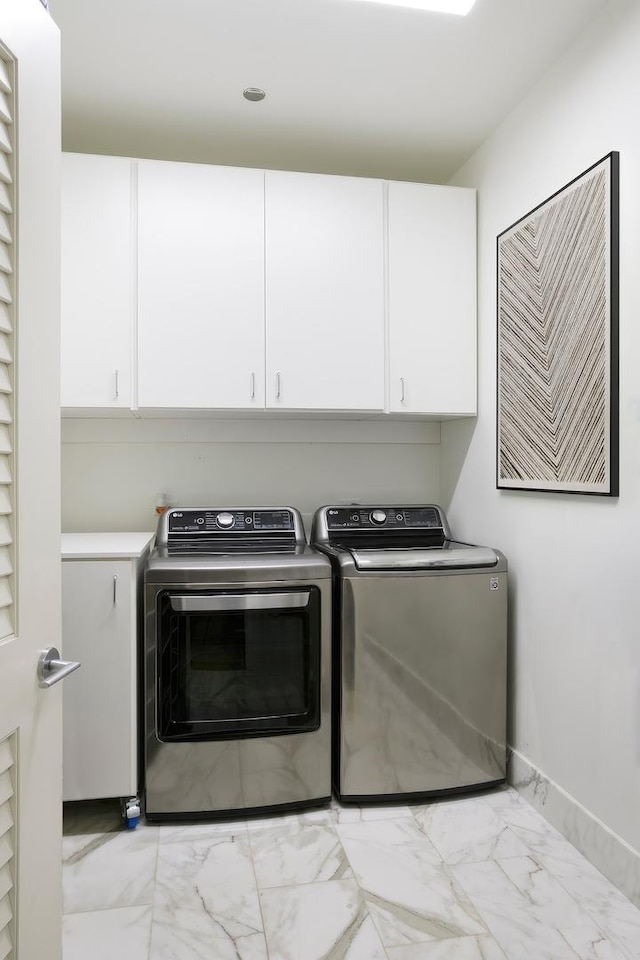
432,299
200,286
97,281
325,292
100,729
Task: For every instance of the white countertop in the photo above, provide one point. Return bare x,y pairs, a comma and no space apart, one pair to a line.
104,546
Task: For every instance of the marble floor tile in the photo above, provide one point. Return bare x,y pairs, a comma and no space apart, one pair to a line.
206,901
102,871
468,830
614,914
455,948
319,921
297,852
528,912
105,934
410,893
473,878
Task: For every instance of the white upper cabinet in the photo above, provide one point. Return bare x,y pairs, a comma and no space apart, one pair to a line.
324,292
97,281
195,287
432,299
200,286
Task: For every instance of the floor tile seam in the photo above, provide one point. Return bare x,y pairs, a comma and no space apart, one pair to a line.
109,909
258,898
311,883
241,831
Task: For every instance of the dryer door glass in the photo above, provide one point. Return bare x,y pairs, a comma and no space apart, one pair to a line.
238,663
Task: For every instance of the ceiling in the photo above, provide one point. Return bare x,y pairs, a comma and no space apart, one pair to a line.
352,88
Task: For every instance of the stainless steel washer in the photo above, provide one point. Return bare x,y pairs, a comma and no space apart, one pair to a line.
237,664
420,653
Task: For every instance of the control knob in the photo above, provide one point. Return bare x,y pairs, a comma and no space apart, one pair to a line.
378,517
225,520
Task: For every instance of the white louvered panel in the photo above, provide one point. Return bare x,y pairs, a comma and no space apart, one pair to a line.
7,849
7,326
5,80
6,537
5,593
6,949
5,259
6,762
6,562
6,786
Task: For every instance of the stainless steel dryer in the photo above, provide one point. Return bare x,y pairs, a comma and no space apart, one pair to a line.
237,664
420,653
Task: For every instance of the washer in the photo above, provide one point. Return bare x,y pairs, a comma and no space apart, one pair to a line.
237,664
420,654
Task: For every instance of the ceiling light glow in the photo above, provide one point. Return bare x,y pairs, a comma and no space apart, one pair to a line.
460,7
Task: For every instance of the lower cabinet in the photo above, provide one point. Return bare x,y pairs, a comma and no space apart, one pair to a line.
100,626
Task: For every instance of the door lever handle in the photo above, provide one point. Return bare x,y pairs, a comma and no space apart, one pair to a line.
51,669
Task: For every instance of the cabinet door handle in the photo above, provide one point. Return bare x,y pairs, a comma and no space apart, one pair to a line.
253,386
115,591
401,389
117,388
278,379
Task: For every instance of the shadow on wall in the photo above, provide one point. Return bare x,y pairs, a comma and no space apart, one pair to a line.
455,441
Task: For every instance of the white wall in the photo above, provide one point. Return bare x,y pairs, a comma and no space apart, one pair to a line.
112,470
575,561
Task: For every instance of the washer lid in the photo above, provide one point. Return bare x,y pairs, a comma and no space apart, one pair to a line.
451,555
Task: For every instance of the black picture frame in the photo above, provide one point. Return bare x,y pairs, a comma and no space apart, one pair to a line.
557,410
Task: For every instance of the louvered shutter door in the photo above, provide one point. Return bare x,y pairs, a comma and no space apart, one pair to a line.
7,847
6,346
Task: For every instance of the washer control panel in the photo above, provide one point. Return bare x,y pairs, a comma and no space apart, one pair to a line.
217,521
383,518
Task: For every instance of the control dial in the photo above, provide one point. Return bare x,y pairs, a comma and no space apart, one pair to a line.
225,520
378,517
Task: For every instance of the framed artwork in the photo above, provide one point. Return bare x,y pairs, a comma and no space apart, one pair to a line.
558,296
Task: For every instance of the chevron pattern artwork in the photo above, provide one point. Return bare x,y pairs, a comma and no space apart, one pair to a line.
558,340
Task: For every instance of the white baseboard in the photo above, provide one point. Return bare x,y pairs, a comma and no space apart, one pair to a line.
615,858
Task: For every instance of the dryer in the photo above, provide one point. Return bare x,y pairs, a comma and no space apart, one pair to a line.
237,664
419,653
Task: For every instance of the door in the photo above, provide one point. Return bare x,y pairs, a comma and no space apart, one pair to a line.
200,286
97,281
325,292
30,717
432,299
